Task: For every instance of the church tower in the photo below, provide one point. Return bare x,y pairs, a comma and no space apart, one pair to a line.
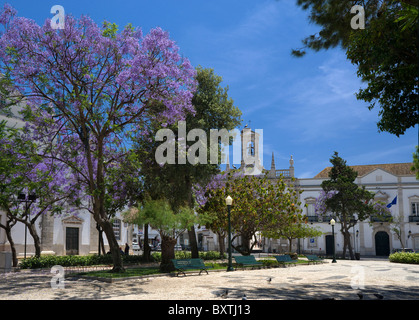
252,151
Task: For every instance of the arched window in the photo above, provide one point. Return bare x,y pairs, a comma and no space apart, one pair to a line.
251,148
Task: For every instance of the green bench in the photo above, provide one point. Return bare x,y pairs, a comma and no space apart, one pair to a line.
285,259
181,265
313,258
247,261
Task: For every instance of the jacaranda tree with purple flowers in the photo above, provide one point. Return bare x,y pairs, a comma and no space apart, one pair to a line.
24,173
90,86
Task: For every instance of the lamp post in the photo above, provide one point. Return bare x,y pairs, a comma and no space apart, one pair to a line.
31,199
332,223
229,201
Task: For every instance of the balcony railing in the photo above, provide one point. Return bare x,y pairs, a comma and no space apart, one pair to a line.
381,218
320,218
413,218
285,172
312,218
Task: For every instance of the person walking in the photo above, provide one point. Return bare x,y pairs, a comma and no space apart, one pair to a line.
126,249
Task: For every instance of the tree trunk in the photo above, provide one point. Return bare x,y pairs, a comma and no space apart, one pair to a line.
191,231
114,247
167,253
8,231
349,244
193,243
290,245
36,240
147,249
244,247
221,241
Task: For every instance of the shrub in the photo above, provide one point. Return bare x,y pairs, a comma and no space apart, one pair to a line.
71,261
405,257
204,255
293,255
211,255
269,263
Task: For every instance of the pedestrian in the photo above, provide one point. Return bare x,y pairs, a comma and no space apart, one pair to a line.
126,249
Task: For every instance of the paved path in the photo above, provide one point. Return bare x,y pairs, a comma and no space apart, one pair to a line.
343,280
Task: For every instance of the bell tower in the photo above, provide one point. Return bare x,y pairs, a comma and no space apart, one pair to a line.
252,151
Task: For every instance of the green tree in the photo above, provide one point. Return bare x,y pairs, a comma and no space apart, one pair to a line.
349,202
259,204
160,216
214,109
385,53
415,166
215,212
292,230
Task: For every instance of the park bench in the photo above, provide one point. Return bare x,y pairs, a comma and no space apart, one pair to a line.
247,261
313,258
285,259
181,265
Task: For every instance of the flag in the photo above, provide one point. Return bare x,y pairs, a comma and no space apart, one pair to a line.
392,202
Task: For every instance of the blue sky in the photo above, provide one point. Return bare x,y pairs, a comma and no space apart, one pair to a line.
305,106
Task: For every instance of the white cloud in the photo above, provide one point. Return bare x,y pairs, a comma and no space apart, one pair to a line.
324,105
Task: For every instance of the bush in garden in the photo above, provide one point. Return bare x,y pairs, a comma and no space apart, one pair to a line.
405,257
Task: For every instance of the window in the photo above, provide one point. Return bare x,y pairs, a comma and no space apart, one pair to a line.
310,209
415,208
117,229
251,148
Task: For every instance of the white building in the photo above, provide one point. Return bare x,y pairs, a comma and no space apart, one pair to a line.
372,237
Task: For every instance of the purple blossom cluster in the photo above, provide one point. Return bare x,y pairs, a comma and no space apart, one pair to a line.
320,206
88,90
202,191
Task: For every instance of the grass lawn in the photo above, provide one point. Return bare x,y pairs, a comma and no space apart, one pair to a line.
129,272
140,271
145,271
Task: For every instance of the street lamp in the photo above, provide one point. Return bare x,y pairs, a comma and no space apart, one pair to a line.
332,223
28,201
229,202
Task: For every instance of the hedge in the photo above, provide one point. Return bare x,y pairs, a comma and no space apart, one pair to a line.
70,261
204,255
91,260
405,257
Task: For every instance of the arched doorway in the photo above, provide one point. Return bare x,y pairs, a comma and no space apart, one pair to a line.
382,243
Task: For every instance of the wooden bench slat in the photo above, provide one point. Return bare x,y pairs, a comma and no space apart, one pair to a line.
247,261
313,258
182,264
285,259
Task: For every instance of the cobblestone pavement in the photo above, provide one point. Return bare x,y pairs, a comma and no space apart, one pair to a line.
345,280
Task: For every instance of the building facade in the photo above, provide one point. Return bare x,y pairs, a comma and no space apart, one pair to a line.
392,184
77,234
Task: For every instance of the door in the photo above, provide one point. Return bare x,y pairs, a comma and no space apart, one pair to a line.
329,245
382,244
72,241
